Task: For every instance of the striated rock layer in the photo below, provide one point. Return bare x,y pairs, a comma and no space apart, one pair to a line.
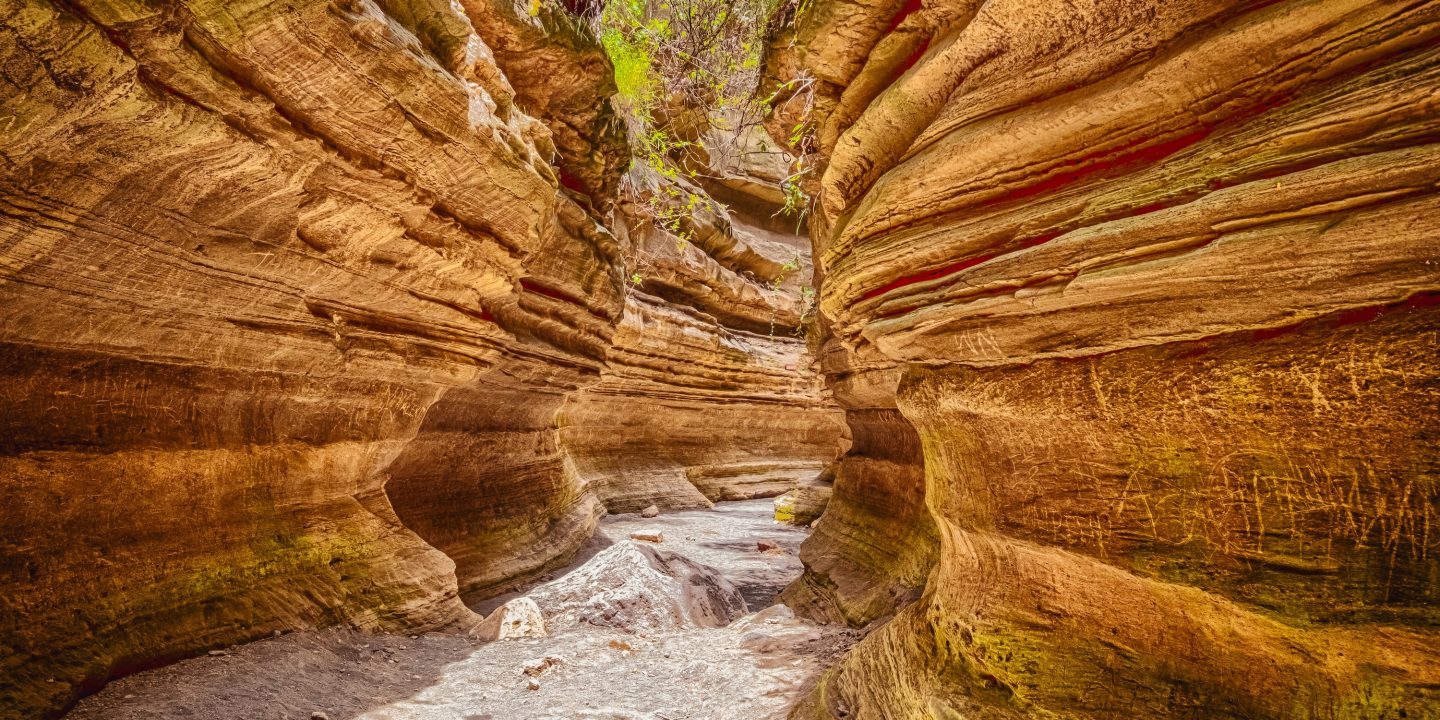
236,307
1159,283
293,298
709,392
876,543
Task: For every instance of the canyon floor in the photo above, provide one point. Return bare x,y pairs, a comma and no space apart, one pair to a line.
752,669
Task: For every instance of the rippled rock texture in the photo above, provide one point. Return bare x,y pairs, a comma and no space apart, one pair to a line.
709,392
294,298
872,550
1158,283
692,412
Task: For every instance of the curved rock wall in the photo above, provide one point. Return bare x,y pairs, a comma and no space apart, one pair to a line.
709,391
293,295
232,302
692,412
1161,281
873,548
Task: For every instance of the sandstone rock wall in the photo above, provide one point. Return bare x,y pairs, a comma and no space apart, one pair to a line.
709,392
688,416
1160,281
292,296
873,548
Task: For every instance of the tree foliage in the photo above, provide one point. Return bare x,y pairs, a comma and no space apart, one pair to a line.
686,72
683,65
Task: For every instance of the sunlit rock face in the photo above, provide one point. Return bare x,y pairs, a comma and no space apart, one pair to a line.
1159,283
294,297
874,547
552,68
692,412
258,262
709,391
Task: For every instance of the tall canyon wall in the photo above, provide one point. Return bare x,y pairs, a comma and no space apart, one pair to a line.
312,312
1153,285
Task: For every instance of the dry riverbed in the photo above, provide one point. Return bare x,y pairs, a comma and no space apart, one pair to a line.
751,669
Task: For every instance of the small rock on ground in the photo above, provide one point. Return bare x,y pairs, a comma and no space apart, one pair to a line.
535,668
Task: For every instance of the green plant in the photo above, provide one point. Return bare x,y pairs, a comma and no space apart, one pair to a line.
683,68
808,303
686,73
797,202
790,266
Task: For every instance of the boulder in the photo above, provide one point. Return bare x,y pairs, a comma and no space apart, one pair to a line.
640,589
519,618
803,505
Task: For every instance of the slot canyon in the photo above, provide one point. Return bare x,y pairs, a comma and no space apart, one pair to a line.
944,360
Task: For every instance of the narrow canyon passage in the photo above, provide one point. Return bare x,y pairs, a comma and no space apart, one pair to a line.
632,659
1092,347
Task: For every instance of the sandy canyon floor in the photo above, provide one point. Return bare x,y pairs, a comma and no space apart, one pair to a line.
751,669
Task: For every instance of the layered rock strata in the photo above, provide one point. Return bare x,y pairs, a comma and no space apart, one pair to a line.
709,392
874,548
691,412
293,295
1159,283
259,261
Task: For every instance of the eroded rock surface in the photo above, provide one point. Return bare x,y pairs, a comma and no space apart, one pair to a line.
318,313
635,587
293,295
1156,283
230,303
709,391
690,412
877,543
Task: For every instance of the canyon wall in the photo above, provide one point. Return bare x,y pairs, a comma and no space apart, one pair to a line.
709,393
873,548
300,306
1158,284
